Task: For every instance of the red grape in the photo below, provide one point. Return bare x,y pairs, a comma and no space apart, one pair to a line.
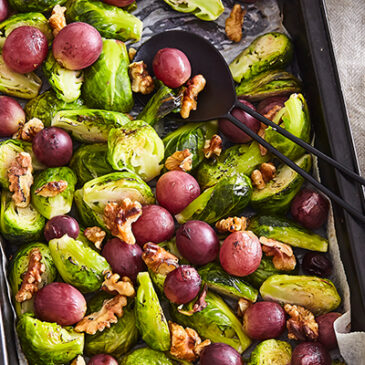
102,359
182,285
317,264
268,104
155,225
60,225
53,147
175,190
232,132
197,242
220,354
310,353
125,260
310,209
119,3
25,49
264,320
240,253
77,46
60,303
11,116
327,336
4,10
172,67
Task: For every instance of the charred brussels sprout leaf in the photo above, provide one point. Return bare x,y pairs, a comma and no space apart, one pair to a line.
146,356
45,343
110,71
151,321
78,264
61,203
19,266
316,294
136,147
8,150
274,352
110,21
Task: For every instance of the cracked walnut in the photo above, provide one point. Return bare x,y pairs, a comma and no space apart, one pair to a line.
193,87
180,160
158,259
142,82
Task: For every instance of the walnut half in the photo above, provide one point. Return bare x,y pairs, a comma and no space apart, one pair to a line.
193,87
180,160
27,131
158,259
96,235
57,20
234,23
79,360
52,188
213,146
112,283
142,82
232,224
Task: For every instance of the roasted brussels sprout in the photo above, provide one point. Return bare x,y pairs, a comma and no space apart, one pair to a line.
266,52
66,83
136,147
111,71
19,224
78,264
110,21
316,294
217,279
228,197
19,266
50,206
24,6
116,340
89,125
146,356
216,322
150,319
45,343
8,150
275,352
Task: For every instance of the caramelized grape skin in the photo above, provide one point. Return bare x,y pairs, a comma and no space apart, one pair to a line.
60,225
327,336
310,353
317,264
220,354
102,359
11,116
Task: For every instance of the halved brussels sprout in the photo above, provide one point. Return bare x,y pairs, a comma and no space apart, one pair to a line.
151,321
78,264
19,266
316,294
8,151
136,147
36,164
273,352
55,205
45,343
146,356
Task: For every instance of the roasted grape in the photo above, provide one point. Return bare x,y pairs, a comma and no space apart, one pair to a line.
119,3
4,10
310,353
12,116
60,225
266,105
102,359
220,354
327,336
316,264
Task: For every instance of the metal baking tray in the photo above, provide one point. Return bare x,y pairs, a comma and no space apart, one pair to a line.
306,22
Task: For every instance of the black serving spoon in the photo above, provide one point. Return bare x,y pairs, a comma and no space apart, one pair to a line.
219,98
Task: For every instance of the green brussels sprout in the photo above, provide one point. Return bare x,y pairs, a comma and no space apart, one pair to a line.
136,147
46,105
116,186
55,205
116,340
162,103
90,161
111,71
268,84
89,125
110,21
26,86
36,164
66,83
217,279
8,151
150,318
78,264
284,230
274,352
240,158
295,117
268,51
204,10
45,343
146,356
190,136
25,6
228,197
215,322
19,224
316,294
19,266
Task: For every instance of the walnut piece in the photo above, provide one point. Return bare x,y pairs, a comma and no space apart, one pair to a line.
109,313
284,258
242,306
142,82
261,133
96,235
302,325
232,224
193,87
112,284
158,259
27,131
52,188
180,160
257,179
213,146
234,23
131,53
79,360
185,343
32,277
119,218
21,179
268,171
57,20
198,306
